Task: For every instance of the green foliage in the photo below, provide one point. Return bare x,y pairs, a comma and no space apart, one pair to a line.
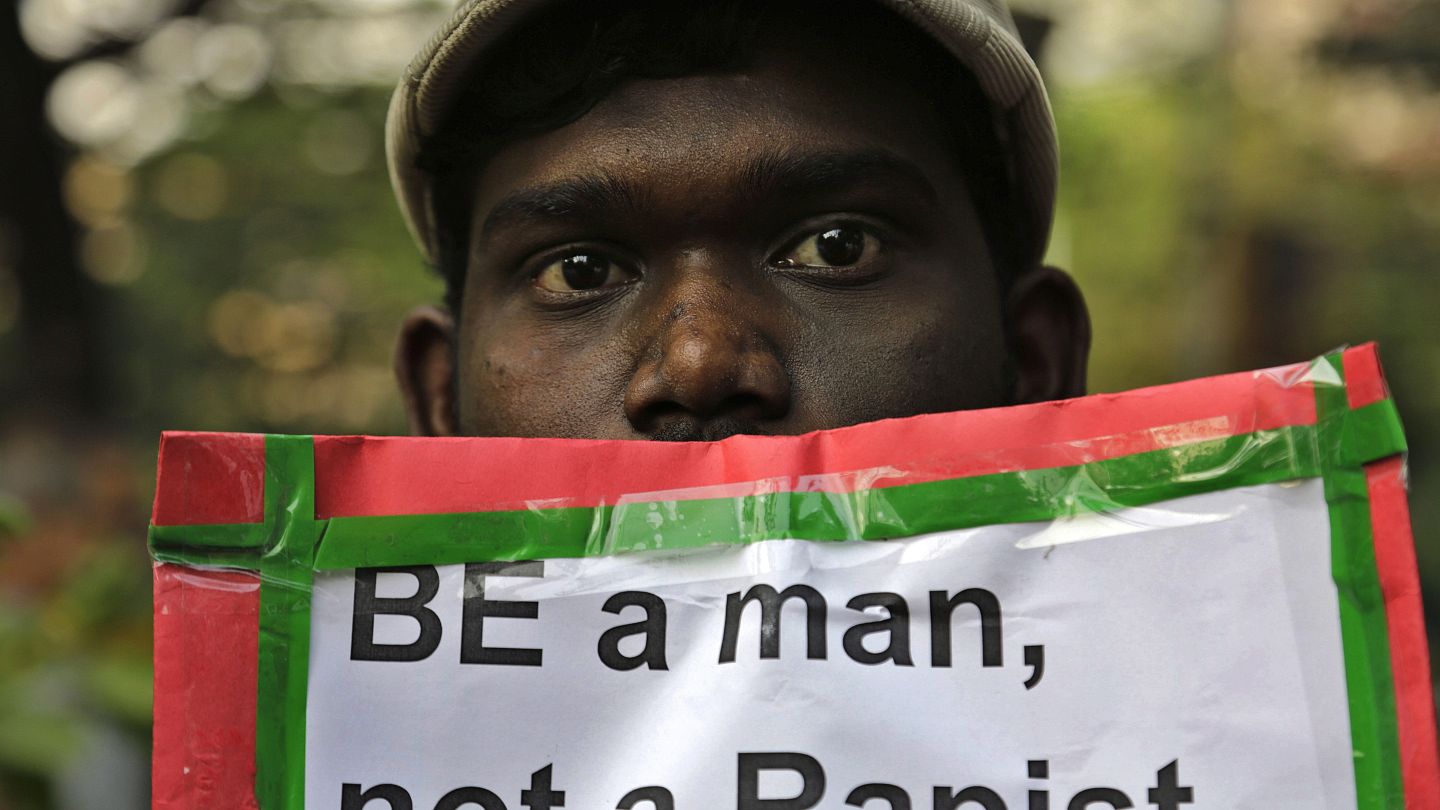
78,659
273,306
14,519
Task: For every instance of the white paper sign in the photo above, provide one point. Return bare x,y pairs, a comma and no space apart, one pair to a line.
1182,655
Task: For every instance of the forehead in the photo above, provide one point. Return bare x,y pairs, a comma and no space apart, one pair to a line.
702,132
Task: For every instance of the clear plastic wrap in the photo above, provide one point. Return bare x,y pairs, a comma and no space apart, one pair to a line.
1201,593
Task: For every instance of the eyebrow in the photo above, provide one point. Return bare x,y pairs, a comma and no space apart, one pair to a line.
786,173
563,199
794,173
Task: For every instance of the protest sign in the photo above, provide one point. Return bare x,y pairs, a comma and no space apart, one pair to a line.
1197,595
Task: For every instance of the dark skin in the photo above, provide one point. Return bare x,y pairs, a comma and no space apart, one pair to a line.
781,250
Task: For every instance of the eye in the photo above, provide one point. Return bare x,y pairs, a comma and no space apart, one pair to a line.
837,246
582,271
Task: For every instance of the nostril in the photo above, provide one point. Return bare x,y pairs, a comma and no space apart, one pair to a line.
655,415
747,405
736,414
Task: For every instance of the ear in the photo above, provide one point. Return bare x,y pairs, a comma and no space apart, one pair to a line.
425,369
1049,334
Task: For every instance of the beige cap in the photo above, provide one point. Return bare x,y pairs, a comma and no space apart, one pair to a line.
981,34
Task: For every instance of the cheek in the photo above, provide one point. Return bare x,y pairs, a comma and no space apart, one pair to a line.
527,381
920,353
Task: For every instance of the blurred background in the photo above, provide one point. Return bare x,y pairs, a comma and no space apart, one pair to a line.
196,232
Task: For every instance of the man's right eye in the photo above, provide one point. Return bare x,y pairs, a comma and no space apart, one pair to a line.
581,272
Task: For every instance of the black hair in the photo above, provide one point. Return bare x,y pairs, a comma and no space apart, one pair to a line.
563,61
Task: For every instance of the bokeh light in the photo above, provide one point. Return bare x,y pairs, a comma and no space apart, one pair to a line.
93,103
62,29
232,60
113,253
96,191
191,186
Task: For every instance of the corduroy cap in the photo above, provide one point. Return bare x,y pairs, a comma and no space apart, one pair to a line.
980,33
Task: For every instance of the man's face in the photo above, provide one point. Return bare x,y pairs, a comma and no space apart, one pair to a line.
780,250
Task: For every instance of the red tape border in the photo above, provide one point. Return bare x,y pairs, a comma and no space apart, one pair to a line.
207,627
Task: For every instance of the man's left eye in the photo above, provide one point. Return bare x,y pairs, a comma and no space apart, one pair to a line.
835,247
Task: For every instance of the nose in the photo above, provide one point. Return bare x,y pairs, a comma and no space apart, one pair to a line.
708,369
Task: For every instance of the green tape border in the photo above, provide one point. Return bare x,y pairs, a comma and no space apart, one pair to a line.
869,514
286,577
1348,439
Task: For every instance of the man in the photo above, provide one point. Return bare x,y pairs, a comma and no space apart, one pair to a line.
687,220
